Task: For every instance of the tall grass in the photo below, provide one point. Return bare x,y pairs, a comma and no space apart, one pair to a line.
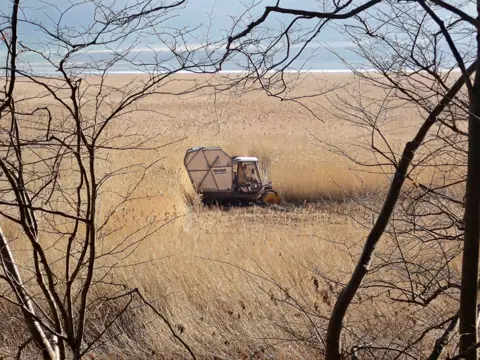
227,280
299,181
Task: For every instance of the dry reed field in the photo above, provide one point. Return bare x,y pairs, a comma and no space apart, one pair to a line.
244,282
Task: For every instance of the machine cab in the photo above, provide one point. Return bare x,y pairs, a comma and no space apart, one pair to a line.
246,175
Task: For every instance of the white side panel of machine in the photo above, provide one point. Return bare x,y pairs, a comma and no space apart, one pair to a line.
210,169
216,179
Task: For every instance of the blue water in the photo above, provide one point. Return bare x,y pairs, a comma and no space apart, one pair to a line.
329,57
200,21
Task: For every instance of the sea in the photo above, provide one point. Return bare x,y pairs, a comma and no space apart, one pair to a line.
333,57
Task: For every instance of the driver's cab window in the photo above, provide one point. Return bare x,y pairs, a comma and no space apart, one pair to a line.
247,173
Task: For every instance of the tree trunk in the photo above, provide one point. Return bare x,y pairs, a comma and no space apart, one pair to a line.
335,325
469,290
334,347
443,340
11,272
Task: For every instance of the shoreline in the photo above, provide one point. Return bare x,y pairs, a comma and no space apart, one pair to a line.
230,72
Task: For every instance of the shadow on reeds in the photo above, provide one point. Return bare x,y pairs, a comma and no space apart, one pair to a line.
328,196
320,198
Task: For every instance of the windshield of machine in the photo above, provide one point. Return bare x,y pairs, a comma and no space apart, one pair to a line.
248,173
